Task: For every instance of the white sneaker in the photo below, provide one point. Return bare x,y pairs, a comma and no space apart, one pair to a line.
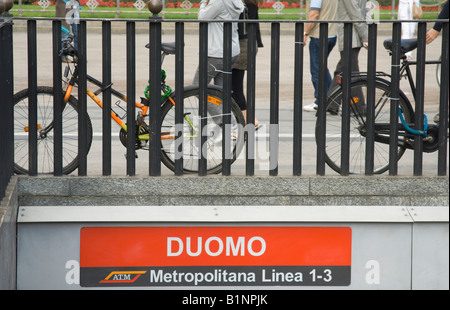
310,107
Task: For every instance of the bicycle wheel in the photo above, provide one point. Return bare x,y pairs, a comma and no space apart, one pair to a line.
45,136
191,132
358,129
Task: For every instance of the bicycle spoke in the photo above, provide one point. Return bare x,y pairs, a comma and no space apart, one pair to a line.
45,137
212,149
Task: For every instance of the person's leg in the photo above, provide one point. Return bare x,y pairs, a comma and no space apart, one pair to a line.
355,59
64,35
215,70
339,69
314,65
211,71
331,45
314,70
75,35
410,30
405,12
238,88
354,65
238,93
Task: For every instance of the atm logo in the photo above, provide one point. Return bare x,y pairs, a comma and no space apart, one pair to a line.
123,277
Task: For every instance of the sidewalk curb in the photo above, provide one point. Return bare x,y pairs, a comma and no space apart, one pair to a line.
236,190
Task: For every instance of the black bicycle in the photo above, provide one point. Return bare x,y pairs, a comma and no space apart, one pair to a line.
406,131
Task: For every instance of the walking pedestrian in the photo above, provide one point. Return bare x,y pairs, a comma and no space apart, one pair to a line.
319,10
240,66
405,12
350,10
219,10
433,33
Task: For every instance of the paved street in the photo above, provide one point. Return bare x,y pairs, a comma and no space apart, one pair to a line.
191,61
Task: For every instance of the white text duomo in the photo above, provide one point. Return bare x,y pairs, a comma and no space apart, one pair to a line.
215,246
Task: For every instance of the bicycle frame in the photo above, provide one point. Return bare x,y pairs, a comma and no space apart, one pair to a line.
429,131
405,71
143,107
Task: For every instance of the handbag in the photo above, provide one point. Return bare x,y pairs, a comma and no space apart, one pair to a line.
417,11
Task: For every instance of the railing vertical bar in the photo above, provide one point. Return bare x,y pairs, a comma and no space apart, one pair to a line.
251,98
203,81
4,137
274,99
4,175
419,97
346,83
179,107
106,96
57,100
8,96
155,97
82,100
131,98
226,151
443,104
371,78
6,103
395,98
395,94
322,100
298,99
32,98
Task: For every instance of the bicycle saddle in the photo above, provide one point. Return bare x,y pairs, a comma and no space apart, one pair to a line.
168,48
406,45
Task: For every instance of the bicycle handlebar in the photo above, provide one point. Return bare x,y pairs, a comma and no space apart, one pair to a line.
67,48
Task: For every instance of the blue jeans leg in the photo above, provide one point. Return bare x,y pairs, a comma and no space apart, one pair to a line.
314,63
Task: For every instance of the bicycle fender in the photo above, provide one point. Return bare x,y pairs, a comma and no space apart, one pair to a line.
195,86
387,83
365,78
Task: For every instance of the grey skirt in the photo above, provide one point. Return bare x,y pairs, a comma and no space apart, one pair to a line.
241,64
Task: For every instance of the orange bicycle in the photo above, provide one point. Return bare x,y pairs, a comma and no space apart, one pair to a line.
191,126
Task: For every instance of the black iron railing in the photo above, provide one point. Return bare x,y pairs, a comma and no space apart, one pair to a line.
6,100
155,28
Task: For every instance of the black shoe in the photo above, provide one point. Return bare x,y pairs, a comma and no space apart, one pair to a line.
333,108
